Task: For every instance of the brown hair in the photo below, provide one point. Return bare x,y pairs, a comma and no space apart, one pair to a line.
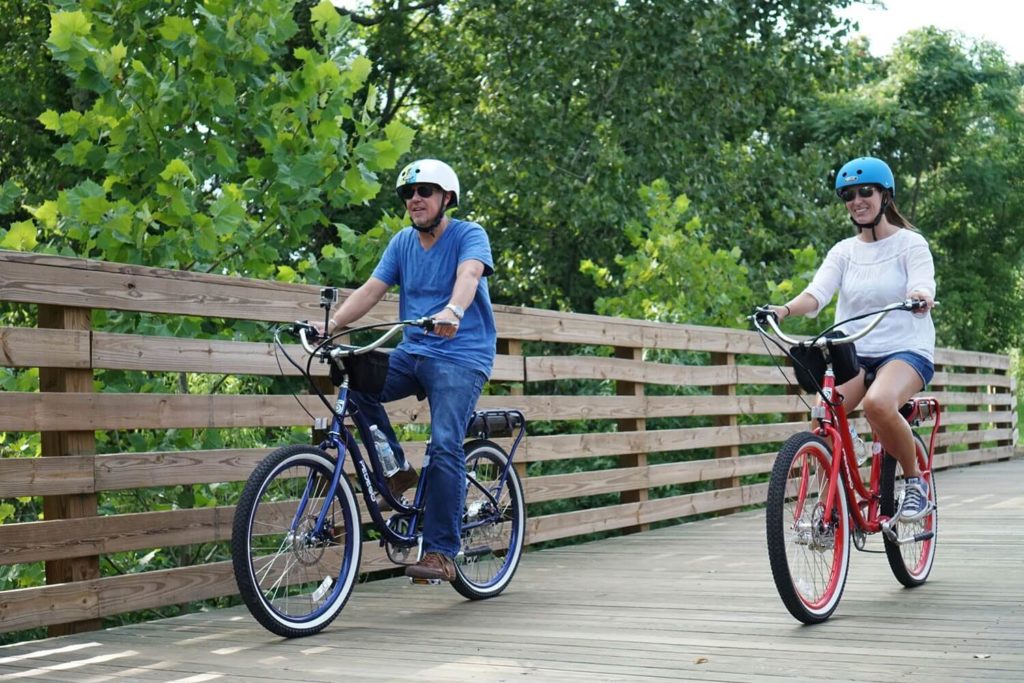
893,215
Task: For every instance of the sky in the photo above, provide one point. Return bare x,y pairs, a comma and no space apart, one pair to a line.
998,21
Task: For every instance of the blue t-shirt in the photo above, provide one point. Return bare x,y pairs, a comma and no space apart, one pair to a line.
426,279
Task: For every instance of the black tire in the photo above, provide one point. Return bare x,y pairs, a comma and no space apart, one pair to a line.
911,563
295,582
492,534
809,556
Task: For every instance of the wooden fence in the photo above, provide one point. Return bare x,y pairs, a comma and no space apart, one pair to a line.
661,421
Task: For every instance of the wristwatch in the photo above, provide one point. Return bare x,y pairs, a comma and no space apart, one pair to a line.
457,310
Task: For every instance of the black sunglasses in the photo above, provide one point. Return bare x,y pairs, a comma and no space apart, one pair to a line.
849,193
407,192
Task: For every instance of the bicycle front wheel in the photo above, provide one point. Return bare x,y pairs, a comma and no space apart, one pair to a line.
910,561
493,524
295,576
809,553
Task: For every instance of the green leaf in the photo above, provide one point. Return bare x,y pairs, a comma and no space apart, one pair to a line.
286,274
173,27
50,120
325,18
175,169
20,237
65,27
10,196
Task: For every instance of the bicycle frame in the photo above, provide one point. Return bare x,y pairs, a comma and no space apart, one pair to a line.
341,440
833,425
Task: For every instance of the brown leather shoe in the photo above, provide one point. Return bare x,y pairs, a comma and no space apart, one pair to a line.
433,566
398,483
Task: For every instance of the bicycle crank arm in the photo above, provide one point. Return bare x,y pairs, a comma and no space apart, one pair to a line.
477,551
890,534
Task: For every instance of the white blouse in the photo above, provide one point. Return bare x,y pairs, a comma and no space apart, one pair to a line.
872,275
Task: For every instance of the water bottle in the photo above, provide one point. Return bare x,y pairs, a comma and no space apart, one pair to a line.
387,458
860,449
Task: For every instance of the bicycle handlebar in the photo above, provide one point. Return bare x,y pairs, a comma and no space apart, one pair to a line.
763,314
306,333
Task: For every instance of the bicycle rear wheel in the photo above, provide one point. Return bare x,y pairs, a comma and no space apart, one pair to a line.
809,555
294,578
493,526
911,562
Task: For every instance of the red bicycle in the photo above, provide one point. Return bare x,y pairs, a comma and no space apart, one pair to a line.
818,505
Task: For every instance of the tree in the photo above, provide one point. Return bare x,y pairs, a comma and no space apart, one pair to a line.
214,139
947,116
30,81
557,116
672,274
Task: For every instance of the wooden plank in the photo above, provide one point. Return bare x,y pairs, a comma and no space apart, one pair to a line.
961,379
25,412
32,412
44,348
567,446
546,368
590,521
972,436
69,474
567,486
173,354
44,279
975,359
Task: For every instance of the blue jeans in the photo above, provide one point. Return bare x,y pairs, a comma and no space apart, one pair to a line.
452,391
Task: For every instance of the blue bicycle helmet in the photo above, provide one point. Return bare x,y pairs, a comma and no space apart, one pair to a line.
866,171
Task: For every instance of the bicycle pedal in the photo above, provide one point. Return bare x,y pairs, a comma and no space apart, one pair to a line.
425,582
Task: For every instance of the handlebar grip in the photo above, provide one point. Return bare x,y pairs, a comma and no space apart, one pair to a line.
761,313
297,327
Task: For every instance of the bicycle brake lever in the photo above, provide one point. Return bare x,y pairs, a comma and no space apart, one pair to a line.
426,323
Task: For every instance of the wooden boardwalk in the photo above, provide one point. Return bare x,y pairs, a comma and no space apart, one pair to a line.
691,602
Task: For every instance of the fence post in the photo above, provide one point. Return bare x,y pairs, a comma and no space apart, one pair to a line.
935,389
636,460
1012,409
727,359
514,347
60,443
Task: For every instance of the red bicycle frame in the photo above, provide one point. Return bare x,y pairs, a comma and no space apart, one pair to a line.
835,427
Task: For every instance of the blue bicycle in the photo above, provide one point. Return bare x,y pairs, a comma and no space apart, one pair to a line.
296,540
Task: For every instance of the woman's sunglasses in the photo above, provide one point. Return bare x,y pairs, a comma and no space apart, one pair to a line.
849,193
407,192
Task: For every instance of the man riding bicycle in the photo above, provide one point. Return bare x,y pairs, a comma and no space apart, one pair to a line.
440,265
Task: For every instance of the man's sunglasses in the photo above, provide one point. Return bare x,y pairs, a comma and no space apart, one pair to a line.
849,193
407,192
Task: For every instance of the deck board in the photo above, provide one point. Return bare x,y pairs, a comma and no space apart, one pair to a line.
689,602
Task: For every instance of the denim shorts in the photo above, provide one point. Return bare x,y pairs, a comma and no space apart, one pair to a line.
924,367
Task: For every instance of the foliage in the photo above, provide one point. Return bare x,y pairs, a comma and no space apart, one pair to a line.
671,273
947,116
29,82
210,142
556,117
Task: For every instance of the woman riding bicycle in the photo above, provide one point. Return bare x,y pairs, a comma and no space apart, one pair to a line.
886,260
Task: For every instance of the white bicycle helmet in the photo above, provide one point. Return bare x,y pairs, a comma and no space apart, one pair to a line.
430,171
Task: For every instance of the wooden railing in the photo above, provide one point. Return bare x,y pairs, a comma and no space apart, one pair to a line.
666,407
